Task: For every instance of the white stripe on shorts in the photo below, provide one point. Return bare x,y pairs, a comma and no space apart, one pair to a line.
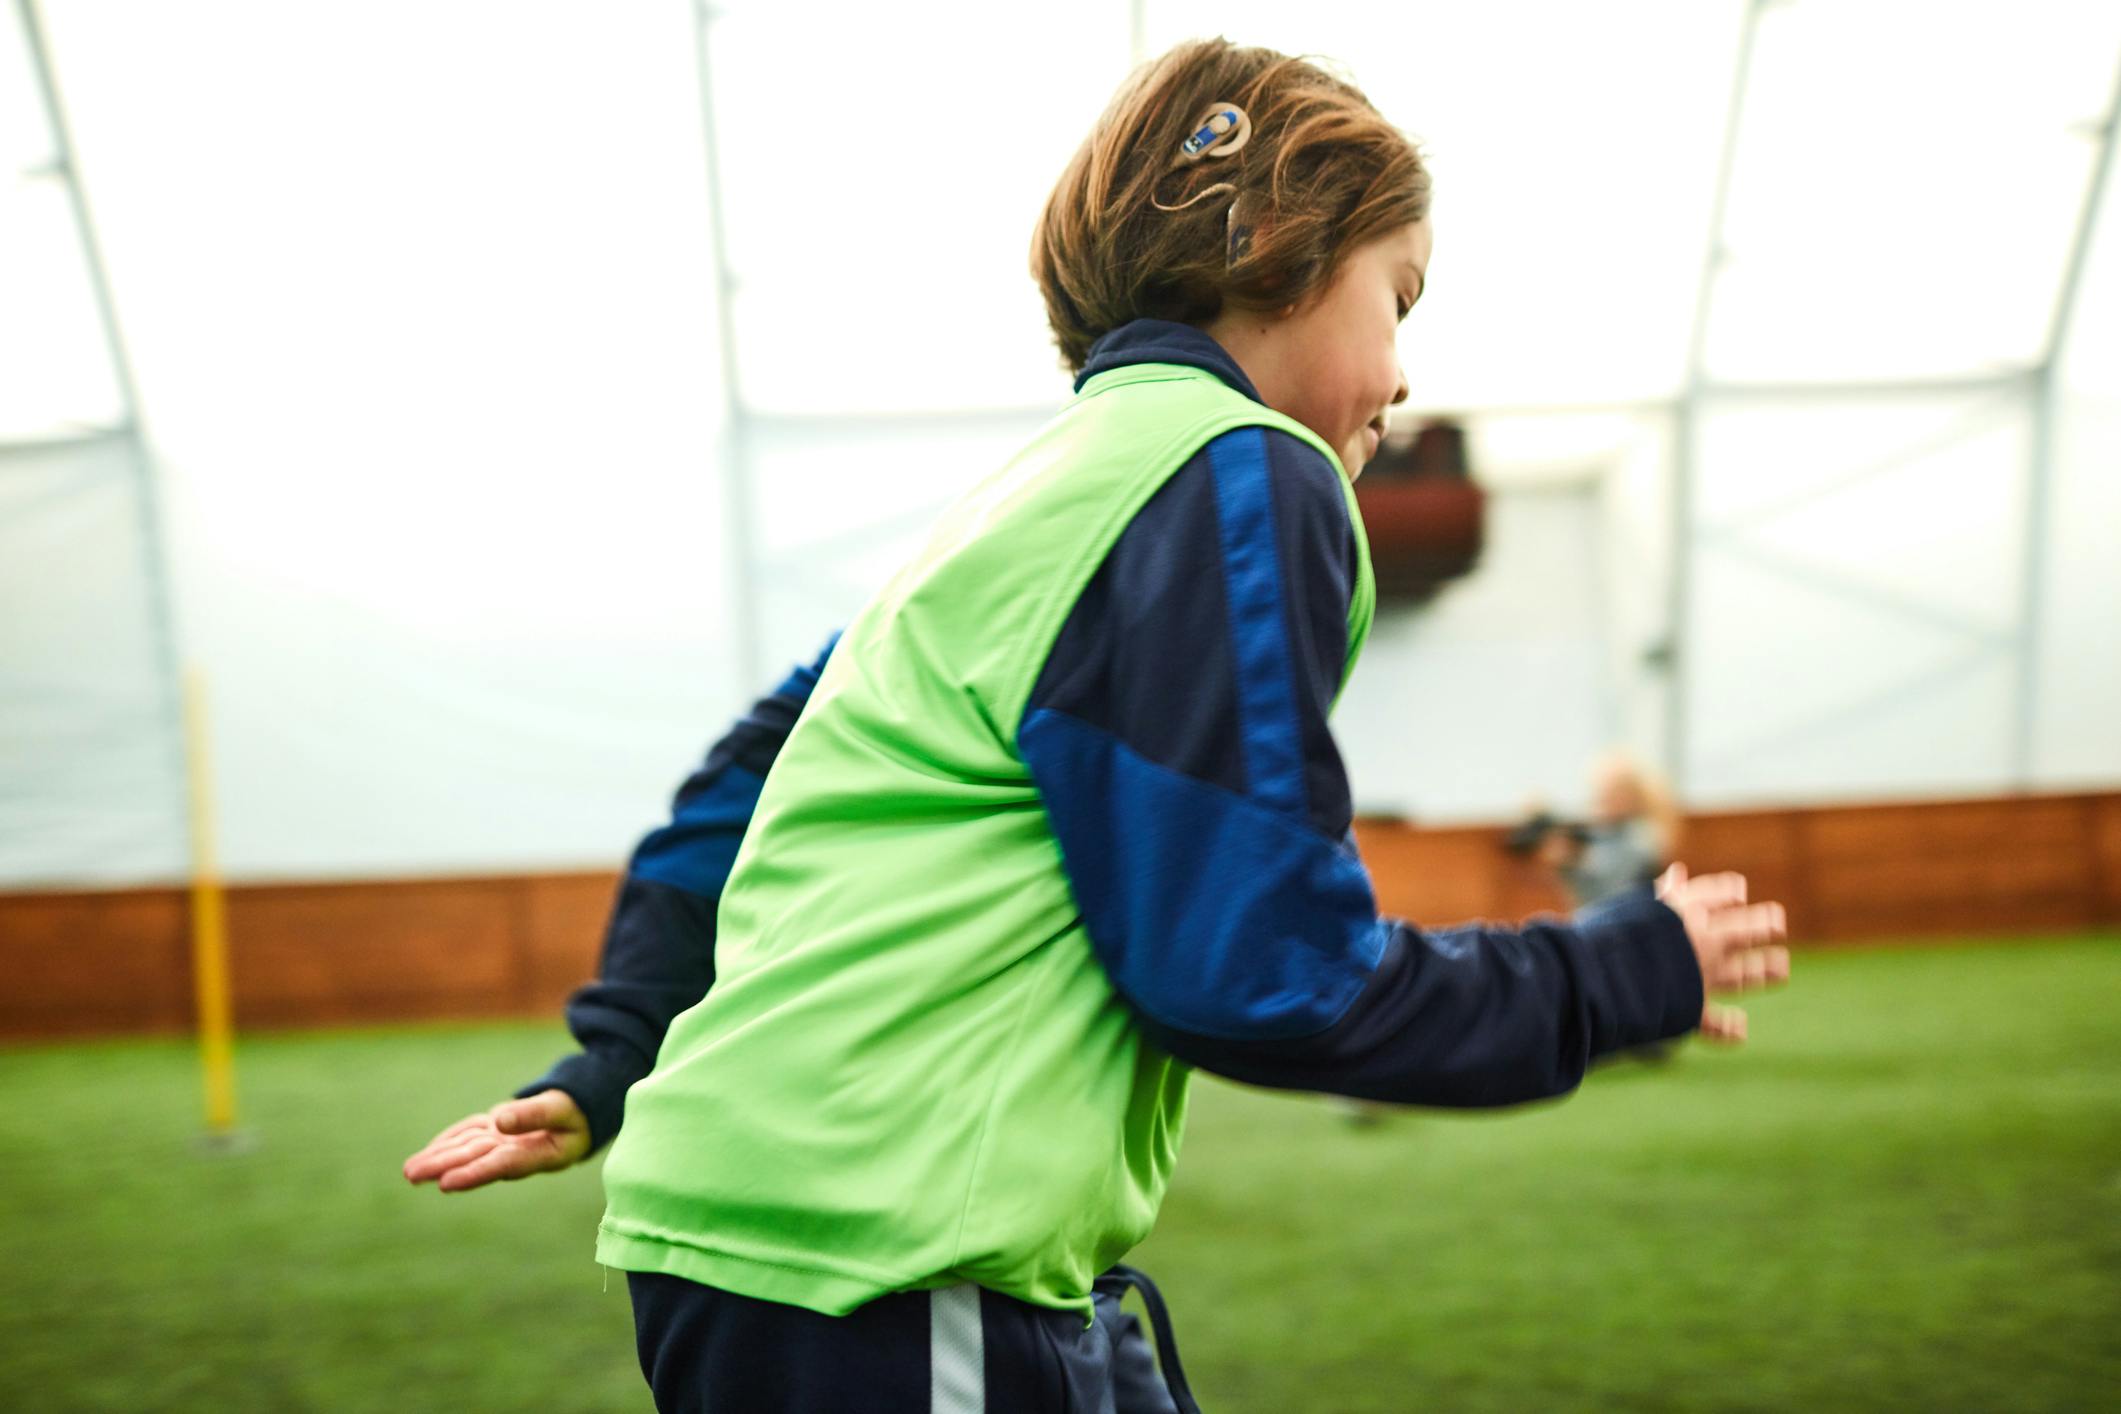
957,1362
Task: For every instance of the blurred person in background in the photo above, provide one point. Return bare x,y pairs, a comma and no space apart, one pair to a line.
1631,835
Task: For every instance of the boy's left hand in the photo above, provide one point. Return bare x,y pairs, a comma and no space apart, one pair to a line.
515,1139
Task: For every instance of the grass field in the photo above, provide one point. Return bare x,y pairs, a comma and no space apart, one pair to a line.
1906,1193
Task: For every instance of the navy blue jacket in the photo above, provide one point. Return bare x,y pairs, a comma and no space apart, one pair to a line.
1177,735
658,957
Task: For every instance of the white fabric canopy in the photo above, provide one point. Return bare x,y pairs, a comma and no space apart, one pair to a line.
476,540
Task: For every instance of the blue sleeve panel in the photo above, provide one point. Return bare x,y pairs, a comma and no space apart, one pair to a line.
658,957
1148,656
1178,738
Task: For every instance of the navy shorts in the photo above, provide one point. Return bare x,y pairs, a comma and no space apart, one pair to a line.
960,1350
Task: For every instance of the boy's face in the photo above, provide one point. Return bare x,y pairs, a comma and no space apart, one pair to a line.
1332,363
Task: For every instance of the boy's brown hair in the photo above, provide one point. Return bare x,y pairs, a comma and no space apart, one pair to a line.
1321,173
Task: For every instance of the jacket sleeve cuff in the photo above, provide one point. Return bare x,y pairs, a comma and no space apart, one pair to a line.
1653,973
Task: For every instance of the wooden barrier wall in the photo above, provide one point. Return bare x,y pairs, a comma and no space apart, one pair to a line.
106,962
1859,872
302,954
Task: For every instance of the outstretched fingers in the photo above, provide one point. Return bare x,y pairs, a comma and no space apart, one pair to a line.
509,1159
1716,891
1747,926
419,1166
1751,969
438,1159
1723,1024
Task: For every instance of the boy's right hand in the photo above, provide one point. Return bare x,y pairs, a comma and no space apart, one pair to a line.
514,1139
1736,943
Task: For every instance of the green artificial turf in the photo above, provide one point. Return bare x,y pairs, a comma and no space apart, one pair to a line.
1906,1193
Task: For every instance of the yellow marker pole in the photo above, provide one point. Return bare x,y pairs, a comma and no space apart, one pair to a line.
209,927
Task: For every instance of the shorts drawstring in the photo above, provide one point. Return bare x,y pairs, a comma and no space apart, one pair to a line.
1115,1283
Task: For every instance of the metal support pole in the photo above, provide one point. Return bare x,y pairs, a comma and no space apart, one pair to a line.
181,716
735,443
1686,421
128,427
2039,489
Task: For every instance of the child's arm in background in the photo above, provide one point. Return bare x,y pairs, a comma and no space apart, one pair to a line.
1178,736
658,961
